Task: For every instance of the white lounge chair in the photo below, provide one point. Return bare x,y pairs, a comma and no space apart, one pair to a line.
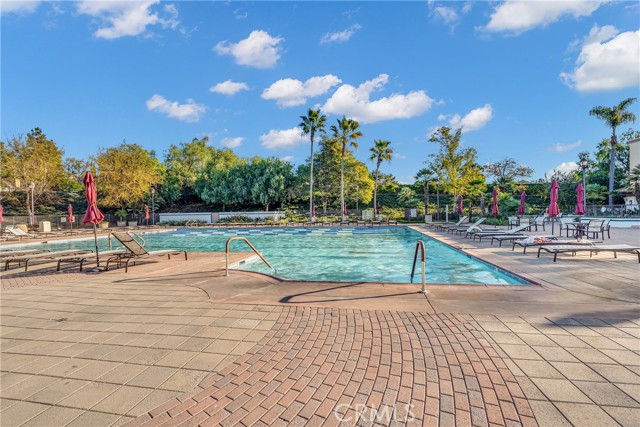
136,250
555,250
46,256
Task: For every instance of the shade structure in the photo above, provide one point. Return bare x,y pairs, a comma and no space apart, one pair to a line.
459,210
1,212
93,214
580,208
523,197
146,213
70,217
553,210
495,211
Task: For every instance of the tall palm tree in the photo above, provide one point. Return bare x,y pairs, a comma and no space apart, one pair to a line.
346,133
614,117
634,182
379,152
311,124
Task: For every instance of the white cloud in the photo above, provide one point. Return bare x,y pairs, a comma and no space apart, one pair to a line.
474,120
607,61
287,138
232,142
399,156
354,102
259,50
291,92
446,14
287,158
521,16
18,7
442,117
189,112
127,18
229,87
561,148
563,168
340,36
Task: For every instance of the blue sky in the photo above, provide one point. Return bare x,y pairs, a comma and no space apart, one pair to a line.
519,77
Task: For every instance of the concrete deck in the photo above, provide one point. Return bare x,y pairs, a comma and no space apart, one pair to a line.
177,343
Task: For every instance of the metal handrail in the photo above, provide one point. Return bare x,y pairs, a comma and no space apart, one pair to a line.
419,245
244,239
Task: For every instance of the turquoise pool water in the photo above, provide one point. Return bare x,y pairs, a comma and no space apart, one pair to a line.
380,254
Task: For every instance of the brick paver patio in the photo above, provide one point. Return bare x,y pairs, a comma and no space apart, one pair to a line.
152,348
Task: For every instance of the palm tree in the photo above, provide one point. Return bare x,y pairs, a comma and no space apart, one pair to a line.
614,117
379,152
346,133
312,123
634,182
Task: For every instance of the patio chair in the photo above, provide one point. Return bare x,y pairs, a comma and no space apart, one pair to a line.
567,224
45,256
595,228
540,220
136,251
513,221
555,250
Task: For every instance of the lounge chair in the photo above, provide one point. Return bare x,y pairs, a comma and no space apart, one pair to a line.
555,250
136,250
495,232
45,256
8,253
82,258
546,241
20,234
466,227
446,225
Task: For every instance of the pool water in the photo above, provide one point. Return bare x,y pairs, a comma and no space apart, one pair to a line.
347,254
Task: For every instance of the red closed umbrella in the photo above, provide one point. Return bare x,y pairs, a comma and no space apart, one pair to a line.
344,208
378,208
580,207
554,209
495,211
523,196
459,210
313,209
70,217
93,214
146,213
1,212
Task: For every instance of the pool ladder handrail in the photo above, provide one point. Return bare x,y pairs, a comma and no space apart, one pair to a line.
419,245
244,239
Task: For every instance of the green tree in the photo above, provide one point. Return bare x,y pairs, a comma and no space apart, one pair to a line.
312,123
213,184
34,159
346,133
614,117
184,164
270,180
455,167
125,175
506,172
379,152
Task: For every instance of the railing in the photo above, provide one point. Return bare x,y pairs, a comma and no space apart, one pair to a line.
244,239
419,245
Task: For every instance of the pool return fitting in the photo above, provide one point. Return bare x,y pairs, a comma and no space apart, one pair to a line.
419,245
244,239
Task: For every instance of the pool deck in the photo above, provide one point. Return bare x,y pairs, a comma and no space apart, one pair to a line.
175,342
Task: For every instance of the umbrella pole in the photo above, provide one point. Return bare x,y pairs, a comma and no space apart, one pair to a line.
95,237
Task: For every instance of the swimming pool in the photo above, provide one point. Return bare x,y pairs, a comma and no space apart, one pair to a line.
345,254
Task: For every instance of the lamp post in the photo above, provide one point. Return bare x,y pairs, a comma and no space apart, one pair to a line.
32,186
153,206
584,165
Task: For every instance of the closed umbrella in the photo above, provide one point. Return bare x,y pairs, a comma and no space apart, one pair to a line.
313,210
1,212
580,208
495,211
146,214
70,217
93,214
523,196
378,208
459,210
554,209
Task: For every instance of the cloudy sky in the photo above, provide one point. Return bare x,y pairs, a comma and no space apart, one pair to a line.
518,77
